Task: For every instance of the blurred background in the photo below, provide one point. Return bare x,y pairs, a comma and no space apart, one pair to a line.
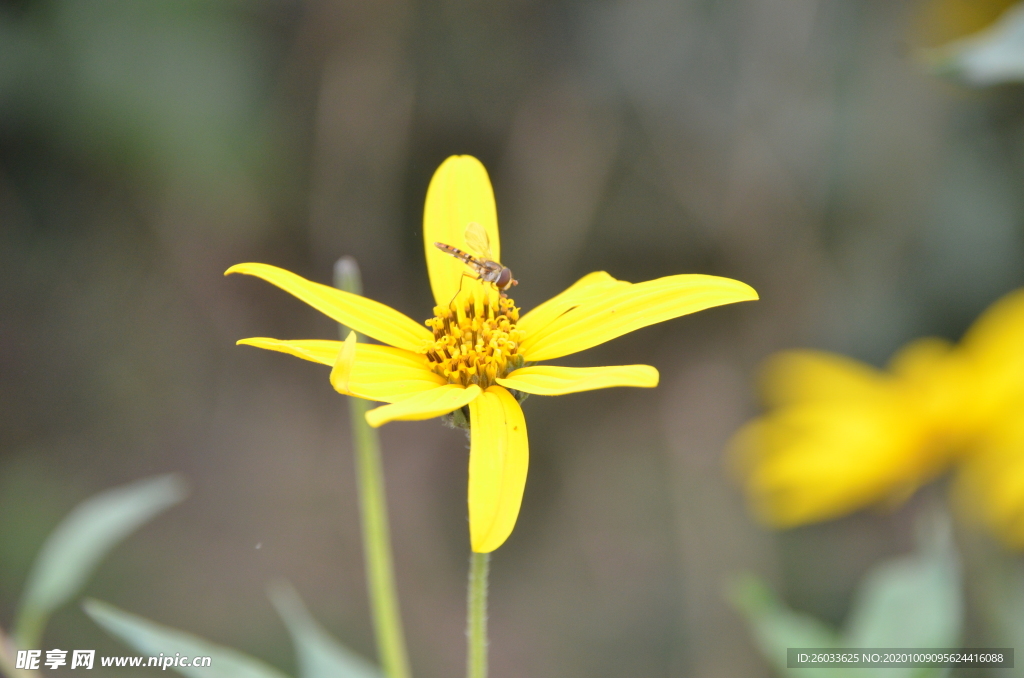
146,147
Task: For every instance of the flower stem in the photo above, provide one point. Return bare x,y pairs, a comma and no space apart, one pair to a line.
380,574
476,622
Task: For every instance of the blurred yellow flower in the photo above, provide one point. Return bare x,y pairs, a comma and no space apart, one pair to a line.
974,42
841,435
990,482
478,352
938,22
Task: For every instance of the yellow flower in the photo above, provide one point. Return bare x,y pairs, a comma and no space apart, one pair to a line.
938,22
476,354
990,482
989,487
973,41
842,435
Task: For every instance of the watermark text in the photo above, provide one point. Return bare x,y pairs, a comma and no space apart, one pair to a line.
86,659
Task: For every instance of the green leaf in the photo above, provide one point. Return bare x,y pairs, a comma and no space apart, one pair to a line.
83,538
909,602
912,601
776,627
989,57
152,639
319,655
1001,595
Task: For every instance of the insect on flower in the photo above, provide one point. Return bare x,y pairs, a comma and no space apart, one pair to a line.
485,267
477,350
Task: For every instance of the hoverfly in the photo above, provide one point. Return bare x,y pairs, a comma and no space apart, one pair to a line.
484,265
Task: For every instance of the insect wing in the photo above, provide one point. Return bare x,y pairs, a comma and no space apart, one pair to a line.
477,240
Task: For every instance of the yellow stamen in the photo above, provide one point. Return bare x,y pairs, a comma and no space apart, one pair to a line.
475,338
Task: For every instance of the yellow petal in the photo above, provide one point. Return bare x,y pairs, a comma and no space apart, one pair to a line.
920,357
342,372
381,373
361,314
814,462
945,387
624,309
990,484
427,405
994,344
806,376
1000,329
459,193
549,380
587,287
937,22
321,351
498,458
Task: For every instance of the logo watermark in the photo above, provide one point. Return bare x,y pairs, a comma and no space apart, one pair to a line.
86,659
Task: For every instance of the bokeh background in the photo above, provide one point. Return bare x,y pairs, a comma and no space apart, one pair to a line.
145,147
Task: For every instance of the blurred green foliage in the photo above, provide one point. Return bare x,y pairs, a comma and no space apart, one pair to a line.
74,549
911,602
153,640
78,544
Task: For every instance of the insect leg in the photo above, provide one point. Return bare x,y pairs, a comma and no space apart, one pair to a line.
462,280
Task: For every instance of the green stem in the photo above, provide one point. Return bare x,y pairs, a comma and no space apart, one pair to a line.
476,624
28,629
7,664
380,572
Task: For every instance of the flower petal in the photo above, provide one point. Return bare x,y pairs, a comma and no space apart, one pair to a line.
990,482
372,318
817,376
321,351
994,344
498,459
427,405
550,380
624,309
822,460
1000,329
341,375
459,193
584,289
381,373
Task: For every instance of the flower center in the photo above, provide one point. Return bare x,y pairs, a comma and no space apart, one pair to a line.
475,338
